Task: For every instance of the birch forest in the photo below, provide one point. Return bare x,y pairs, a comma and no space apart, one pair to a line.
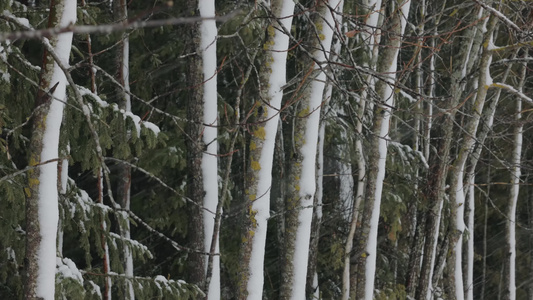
266,149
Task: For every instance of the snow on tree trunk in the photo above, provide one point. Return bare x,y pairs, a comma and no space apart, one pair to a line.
346,183
42,191
312,287
208,33
470,245
302,187
348,277
387,64
488,120
510,293
457,193
262,143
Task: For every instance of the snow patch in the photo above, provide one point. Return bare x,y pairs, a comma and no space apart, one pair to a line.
48,211
278,53
67,268
85,91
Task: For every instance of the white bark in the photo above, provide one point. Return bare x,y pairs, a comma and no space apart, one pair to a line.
470,243
457,188
373,39
511,217
513,195
276,69
388,98
48,213
307,183
208,32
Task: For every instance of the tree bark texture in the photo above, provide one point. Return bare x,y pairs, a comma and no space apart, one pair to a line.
195,148
302,186
265,119
42,210
367,234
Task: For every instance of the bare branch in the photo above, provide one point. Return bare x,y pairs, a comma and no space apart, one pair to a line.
103,29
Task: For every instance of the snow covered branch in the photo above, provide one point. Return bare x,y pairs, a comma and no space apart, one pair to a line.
512,90
499,15
512,46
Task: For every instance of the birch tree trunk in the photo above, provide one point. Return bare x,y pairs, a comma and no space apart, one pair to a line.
208,33
457,193
510,235
262,144
302,186
387,64
488,120
312,291
346,183
349,279
120,11
42,191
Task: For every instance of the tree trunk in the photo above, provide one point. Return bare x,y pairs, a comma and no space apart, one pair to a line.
488,120
457,193
312,291
510,233
439,163
416,226
42,193
120,11
195,147
349,276
302,181
262,144
208,42
367,237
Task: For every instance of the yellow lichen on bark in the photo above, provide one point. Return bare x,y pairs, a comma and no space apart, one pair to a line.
33,182
260,133
303,113
255,165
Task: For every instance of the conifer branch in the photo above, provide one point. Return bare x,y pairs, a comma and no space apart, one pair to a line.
161,182
164,237
141,278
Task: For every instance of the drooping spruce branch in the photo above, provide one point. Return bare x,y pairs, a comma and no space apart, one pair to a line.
159,180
